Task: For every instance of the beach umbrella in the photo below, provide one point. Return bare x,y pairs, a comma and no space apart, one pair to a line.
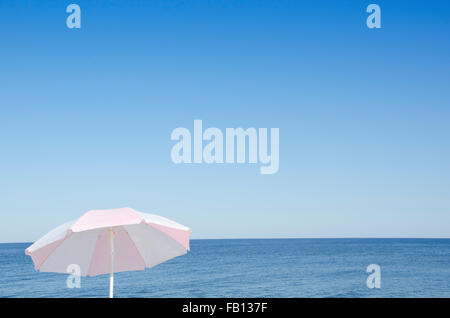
110,241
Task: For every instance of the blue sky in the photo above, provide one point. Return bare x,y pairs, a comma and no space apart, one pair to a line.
86,115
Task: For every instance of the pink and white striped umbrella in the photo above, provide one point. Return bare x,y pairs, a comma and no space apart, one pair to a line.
108,241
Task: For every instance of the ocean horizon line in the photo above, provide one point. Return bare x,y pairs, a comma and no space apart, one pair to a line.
291,238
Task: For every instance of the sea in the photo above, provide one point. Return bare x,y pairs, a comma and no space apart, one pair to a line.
256,268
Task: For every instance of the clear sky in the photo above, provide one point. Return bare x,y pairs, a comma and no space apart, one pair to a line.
364,115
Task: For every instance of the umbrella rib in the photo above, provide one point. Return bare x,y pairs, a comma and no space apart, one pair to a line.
137,249
93,253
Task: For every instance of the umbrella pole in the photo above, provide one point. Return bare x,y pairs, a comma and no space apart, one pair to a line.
111,274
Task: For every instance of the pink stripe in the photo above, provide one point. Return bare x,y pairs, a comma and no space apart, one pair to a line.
94,219
39,256
126,255
181,236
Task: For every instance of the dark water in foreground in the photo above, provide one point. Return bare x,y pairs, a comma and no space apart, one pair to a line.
256,268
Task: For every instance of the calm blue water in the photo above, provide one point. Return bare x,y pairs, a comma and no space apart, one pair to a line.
257,268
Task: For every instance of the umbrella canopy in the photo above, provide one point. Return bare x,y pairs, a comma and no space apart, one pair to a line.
108,241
